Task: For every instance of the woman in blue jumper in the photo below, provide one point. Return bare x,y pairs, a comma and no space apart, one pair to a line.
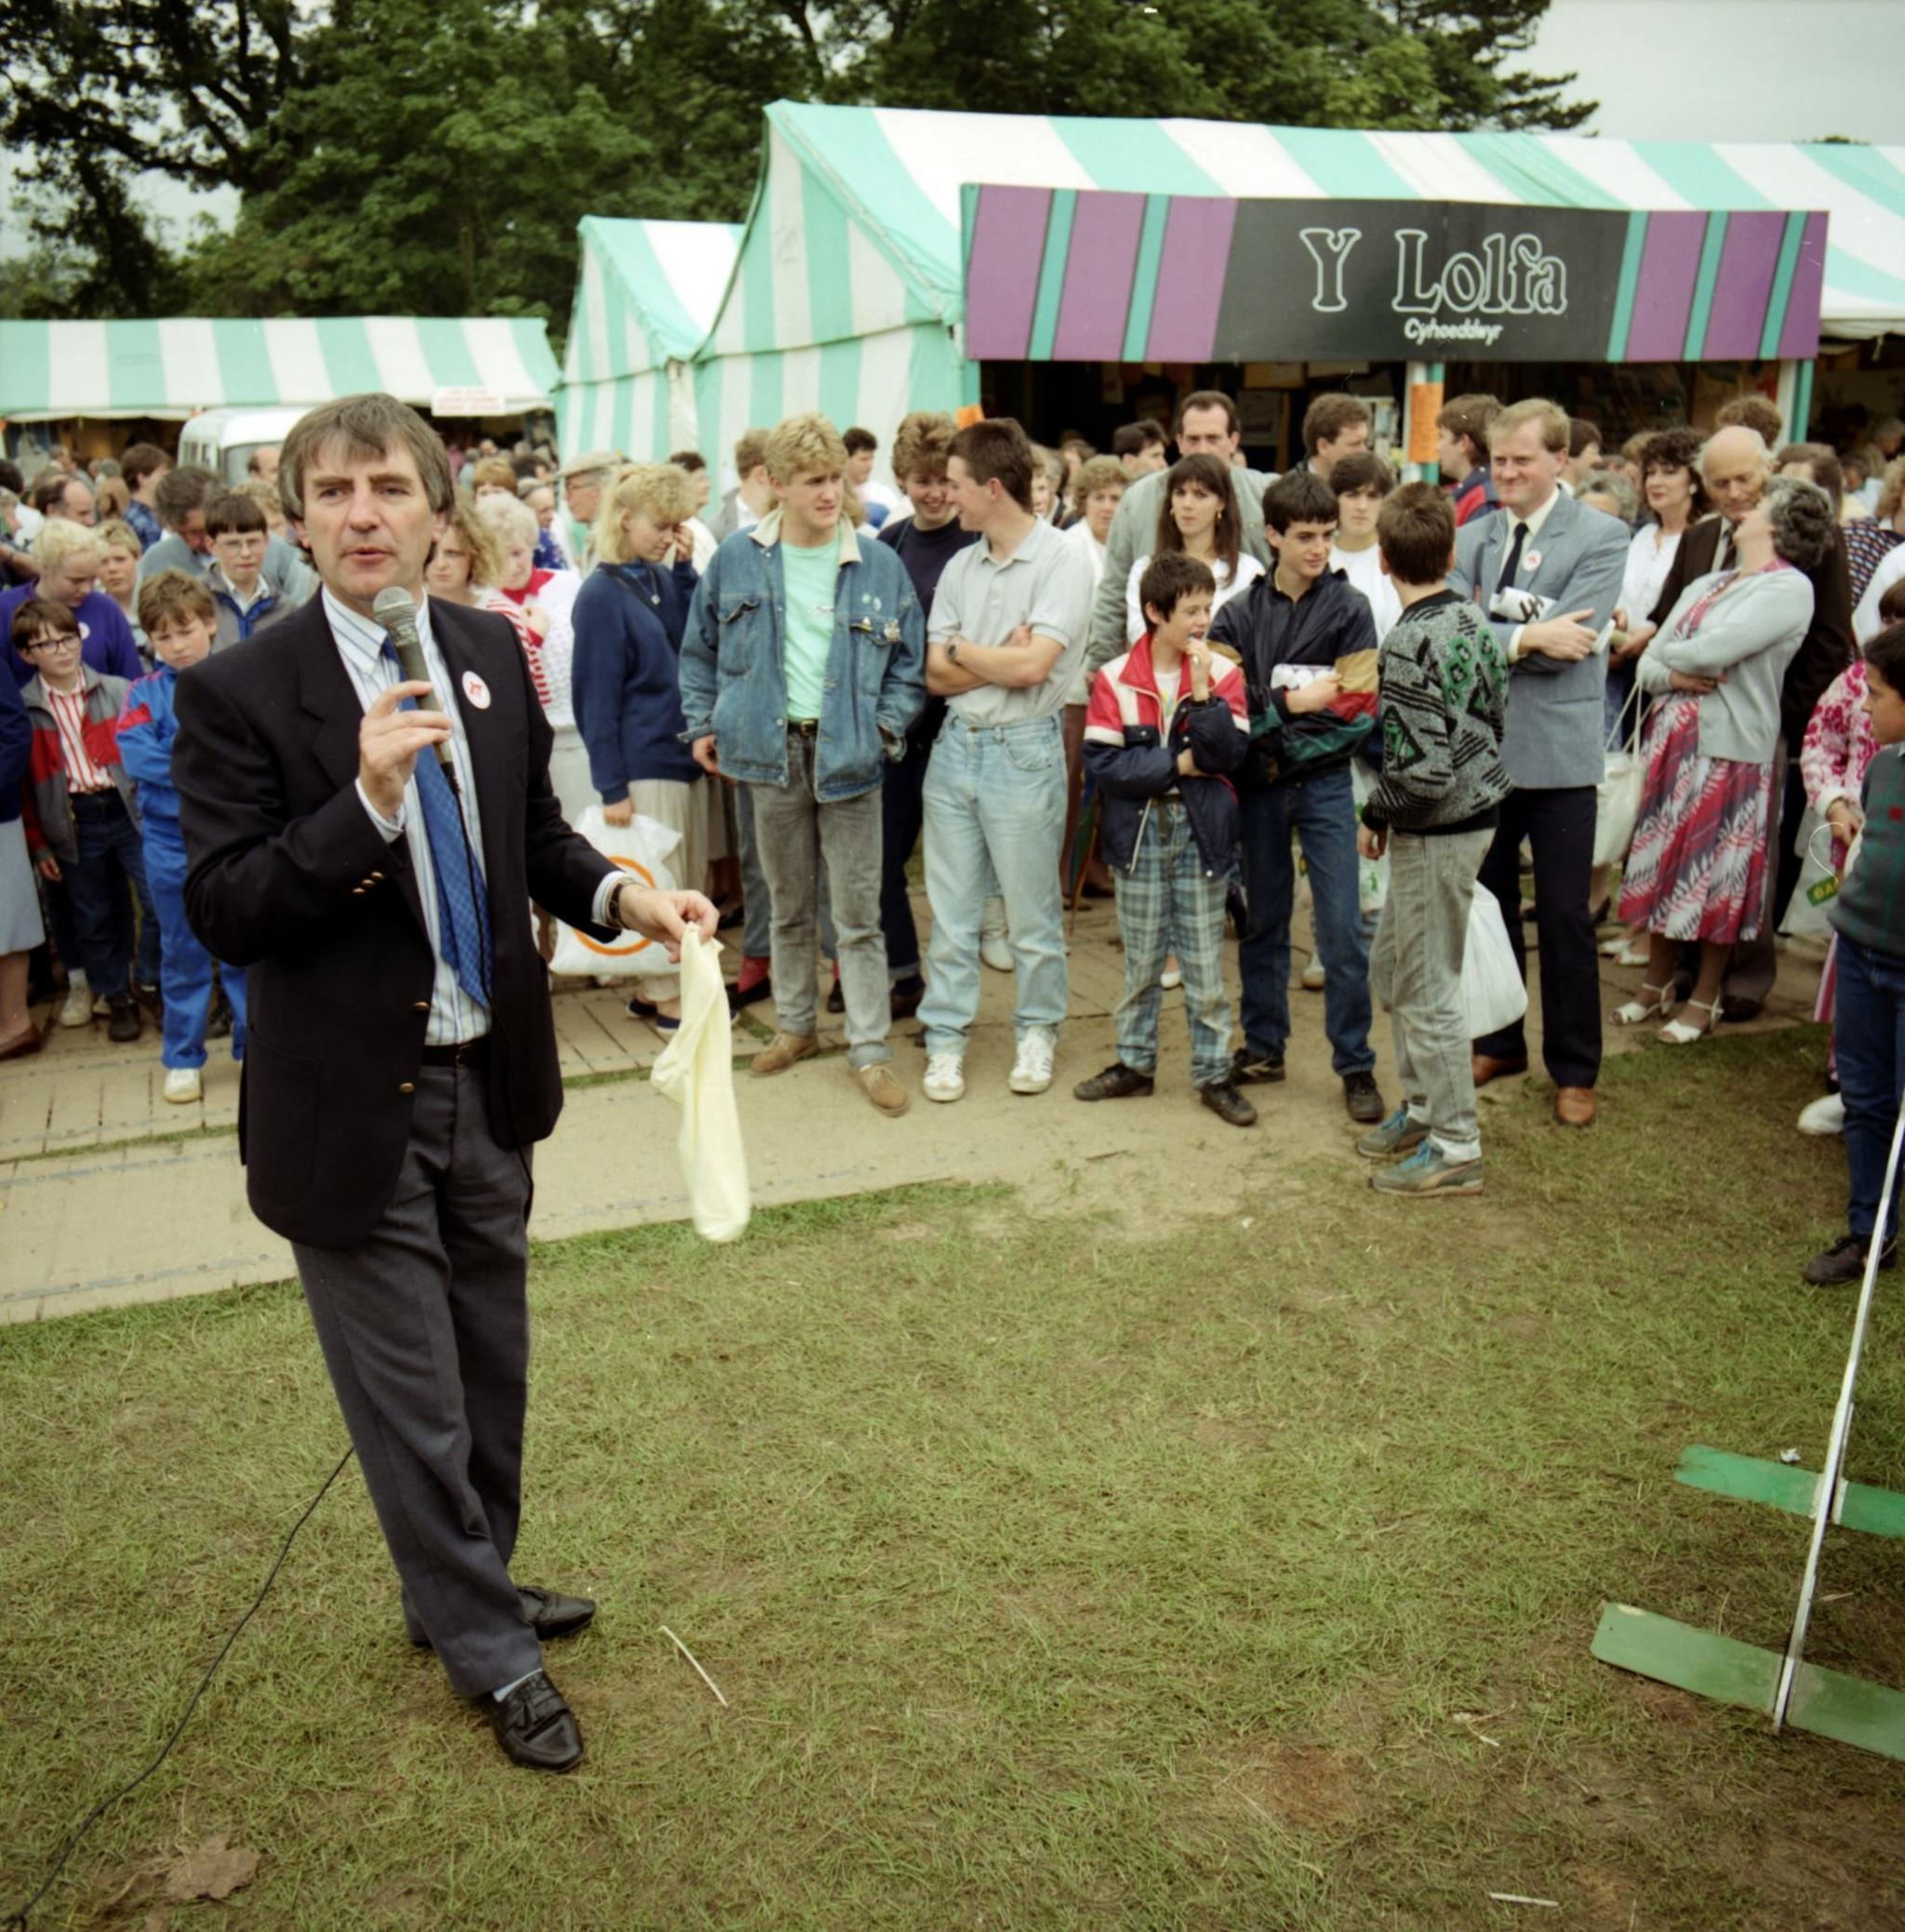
629,619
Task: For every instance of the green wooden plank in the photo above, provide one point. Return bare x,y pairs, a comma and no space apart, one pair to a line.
1827,1703
1786,1486
1698,1660
1710,250
1782,294
1051,275
1629,281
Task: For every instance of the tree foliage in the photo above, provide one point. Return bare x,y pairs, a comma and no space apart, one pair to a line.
434,156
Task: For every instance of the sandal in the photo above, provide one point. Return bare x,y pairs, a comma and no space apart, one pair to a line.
1677,1033
1638,1012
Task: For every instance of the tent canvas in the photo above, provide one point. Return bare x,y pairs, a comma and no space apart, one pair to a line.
647,294
169,369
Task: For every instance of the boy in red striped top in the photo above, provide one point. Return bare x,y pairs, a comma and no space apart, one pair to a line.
80,829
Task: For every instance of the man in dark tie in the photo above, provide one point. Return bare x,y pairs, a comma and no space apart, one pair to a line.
401,1057
1735,464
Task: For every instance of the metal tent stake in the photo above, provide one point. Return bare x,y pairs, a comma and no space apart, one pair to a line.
1783,1685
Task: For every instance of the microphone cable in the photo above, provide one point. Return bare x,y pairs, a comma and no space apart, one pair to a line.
18,1919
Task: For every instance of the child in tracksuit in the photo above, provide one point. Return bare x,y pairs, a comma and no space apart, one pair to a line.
177,613
1167,722
77,804
1442,693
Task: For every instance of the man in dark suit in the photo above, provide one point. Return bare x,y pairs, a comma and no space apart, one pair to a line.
1735,464
401,1059
1545,572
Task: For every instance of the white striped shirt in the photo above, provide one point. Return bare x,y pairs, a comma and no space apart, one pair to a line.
454,1016
69,714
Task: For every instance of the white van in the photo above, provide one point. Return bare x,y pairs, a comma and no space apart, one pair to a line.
222,440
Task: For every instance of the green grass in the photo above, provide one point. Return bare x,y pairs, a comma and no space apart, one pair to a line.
1131,1567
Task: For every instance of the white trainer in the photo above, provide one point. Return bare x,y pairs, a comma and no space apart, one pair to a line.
1313,974
1825,1115
945,1077
183,1086
1031,1071
992,947
78,1010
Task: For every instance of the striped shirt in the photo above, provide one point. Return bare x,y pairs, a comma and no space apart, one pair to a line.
454,1016
69,714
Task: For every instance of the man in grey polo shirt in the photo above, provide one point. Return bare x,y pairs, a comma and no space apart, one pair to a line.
1010,622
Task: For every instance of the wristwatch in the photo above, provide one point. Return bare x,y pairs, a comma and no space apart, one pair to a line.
621,886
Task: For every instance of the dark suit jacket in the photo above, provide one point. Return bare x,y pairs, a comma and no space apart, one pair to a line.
289,877
1828,646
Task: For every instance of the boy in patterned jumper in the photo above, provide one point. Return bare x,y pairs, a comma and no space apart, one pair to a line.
1442,691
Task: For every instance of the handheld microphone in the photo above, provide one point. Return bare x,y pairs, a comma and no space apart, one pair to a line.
395,609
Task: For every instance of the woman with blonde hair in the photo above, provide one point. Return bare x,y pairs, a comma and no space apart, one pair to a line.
120,551
628,621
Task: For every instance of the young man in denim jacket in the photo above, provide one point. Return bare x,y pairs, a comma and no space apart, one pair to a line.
800,672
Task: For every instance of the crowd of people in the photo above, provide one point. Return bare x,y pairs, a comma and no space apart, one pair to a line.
1154,674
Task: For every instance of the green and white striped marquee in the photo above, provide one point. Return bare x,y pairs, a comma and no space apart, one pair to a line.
847,295
646,297
170,369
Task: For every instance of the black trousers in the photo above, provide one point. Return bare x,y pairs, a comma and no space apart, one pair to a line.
902,812
1559,829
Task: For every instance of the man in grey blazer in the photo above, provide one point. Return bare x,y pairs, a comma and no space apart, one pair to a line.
1546,573
1207,420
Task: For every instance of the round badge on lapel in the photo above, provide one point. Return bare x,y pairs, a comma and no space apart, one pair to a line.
1532,561
475,691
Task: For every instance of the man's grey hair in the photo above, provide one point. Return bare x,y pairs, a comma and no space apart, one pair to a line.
367,426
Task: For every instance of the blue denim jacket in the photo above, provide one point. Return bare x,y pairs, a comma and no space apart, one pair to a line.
733,680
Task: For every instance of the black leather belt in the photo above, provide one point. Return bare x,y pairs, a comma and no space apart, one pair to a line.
805,727
464,1053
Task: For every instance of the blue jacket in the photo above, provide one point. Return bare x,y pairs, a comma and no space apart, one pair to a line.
733,683
626,677
234,623
107,646
147,726
15,748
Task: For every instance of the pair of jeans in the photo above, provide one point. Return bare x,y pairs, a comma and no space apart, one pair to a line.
1321,813
1869,1037
994,808
186,976
1416,971
1165,905
102,887
1559,826
792,831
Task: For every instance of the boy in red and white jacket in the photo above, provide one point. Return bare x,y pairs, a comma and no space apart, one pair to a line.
1167,723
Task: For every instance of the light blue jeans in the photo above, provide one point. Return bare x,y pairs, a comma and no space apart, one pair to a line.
994,806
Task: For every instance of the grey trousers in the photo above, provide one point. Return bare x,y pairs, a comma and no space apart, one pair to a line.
794,832
425,1329
1416,971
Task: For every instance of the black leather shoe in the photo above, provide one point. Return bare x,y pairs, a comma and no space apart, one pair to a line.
906,997
1118,1082
1738,1012
124,1025
836,999
1844,1261
549,1613
1228,1104
1250,1069
534,1726
1363,1098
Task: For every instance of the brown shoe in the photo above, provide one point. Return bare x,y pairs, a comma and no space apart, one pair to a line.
1574,1106
21,1045
1486,1069
882,1089
784,1050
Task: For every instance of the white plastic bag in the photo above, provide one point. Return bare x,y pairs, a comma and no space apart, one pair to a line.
1618,797
1493,995
1818,887
642,848
696,1071
1372,874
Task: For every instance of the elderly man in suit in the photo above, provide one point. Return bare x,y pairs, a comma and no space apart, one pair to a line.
1207,420
1735,464
1546,573
372,864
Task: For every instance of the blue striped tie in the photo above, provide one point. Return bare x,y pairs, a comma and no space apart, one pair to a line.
462,905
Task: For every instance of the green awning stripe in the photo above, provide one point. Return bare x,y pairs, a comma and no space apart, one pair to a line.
1782,285
1345,164
1051,275
135,364
830,297
1532,172
1712,249
244,363
840,365
1151,250
1629,281
1135,157
346,358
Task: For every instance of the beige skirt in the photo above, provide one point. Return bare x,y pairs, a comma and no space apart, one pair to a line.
682,808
